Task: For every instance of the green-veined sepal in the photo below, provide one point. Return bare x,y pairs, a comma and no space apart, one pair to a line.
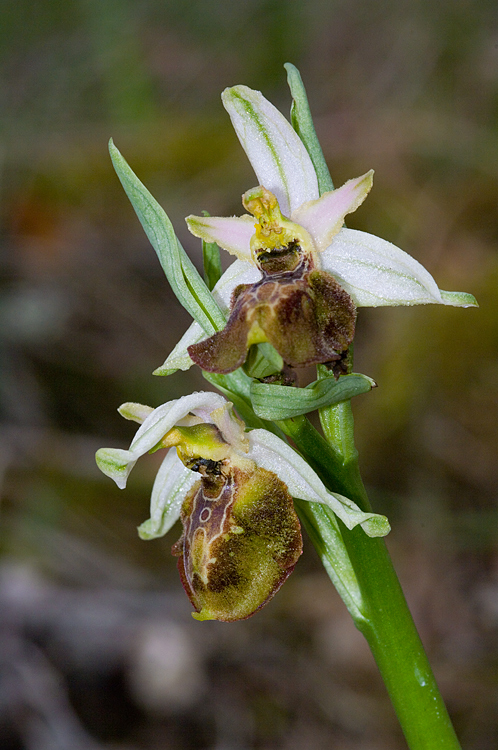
274,149
269,451
172,483
376,273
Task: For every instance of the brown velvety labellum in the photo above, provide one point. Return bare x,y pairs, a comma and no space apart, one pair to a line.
241,540
304,313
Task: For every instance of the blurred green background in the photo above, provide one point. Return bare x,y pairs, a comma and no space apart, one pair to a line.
97,647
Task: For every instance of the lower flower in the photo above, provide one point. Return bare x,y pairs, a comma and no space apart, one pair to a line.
233,492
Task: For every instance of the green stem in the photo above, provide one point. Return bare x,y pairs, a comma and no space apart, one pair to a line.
385,619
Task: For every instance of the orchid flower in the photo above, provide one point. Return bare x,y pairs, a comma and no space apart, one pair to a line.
359,269
233,492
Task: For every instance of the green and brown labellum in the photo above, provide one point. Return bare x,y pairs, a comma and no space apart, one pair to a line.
302,311
241,539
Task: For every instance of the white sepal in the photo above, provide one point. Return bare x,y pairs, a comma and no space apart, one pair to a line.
179,358
377,273
276,152
116,464
270,452
171,485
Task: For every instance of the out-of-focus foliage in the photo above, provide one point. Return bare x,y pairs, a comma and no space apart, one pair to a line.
97,645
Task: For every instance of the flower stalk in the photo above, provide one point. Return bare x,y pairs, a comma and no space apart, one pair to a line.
385,620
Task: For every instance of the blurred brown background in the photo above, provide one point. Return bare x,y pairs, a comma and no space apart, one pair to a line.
97,647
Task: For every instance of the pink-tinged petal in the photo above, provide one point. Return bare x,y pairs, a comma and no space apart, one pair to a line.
232,233
324,217
276,152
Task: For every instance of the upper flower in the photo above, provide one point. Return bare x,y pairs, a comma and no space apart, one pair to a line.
370,270
232,491
297,307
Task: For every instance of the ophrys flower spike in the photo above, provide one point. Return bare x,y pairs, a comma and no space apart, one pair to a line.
293,291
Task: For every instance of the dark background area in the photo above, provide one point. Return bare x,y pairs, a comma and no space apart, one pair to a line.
97,646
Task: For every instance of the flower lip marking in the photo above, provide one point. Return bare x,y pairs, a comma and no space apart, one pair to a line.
237,548
205,515
279,260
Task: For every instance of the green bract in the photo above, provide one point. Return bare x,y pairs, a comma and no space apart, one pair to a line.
275,402
181,273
